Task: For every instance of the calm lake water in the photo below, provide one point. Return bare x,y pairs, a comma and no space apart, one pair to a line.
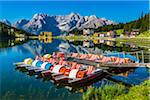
15,84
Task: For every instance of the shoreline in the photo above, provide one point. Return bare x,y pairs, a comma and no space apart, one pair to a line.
80,38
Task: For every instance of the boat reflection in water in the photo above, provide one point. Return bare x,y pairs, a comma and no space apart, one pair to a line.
97,82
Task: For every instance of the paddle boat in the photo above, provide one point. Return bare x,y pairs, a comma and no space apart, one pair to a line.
61,70
42,64
114,59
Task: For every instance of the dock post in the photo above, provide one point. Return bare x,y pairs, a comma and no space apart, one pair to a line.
137,56
142,57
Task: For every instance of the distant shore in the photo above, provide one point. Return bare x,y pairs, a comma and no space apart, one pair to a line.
80,38
142,41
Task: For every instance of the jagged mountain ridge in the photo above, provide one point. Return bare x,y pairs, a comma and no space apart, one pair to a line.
57,24
6,22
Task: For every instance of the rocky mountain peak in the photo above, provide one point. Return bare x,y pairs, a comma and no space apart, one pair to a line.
6,22
74,16
21,23
43,22
39,16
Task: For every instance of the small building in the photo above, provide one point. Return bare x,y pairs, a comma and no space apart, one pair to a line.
99,34
70,34
134,32
109,43
110,34
122,35
95,41
12,30
88,31
88,43
102,35
44,35
46,40
99,41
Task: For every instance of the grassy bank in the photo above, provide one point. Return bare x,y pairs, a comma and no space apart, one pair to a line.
121,39
140,41
104,92
136,39
82,38
72,37
118,92
145,34
140,92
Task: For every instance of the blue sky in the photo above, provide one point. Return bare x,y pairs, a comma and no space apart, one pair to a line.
119,11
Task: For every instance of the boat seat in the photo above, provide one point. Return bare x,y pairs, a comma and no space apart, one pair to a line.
90,70
74,55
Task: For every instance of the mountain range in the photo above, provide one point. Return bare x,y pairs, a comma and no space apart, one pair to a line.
60,23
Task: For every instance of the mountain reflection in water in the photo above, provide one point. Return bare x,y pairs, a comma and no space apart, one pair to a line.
15,84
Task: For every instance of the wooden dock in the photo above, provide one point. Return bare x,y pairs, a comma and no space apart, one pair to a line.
108,65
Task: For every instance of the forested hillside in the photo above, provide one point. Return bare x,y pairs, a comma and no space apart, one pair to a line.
142,23
7,32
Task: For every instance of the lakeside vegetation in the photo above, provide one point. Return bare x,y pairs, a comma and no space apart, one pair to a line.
145,34
143,42
81,38
11,36
9,32
12,42
118,92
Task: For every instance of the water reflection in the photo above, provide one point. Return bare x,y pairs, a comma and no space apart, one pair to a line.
40,47
101,44
12,42
107,45
15,84
46,40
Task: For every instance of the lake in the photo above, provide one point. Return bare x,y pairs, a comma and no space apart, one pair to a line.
17,85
